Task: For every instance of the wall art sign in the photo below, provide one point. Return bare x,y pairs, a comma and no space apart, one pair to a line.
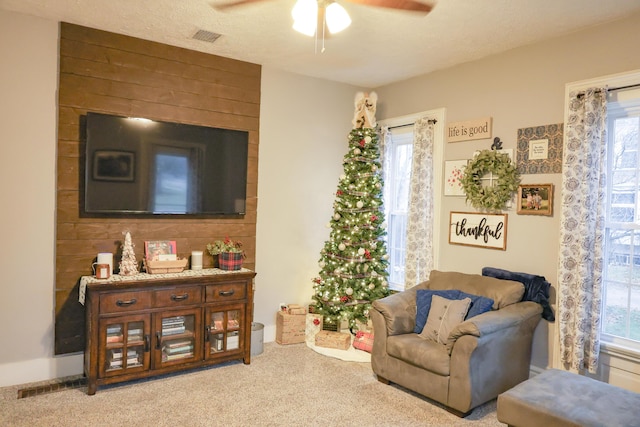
540,149
469,130
483,230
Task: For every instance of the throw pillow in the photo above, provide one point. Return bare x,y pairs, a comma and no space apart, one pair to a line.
444,315
479,304
423,304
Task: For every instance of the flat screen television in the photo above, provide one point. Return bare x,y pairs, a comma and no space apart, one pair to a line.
146,167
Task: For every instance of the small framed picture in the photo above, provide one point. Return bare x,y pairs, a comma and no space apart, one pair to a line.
535,199
453,172
113,166
160,250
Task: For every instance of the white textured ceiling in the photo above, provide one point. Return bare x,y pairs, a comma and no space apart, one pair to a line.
381,45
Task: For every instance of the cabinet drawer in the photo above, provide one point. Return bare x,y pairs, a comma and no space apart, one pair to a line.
177,296
124,301
226,292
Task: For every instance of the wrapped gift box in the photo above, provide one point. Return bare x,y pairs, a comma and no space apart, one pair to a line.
290,328
296,309
330,339
314,325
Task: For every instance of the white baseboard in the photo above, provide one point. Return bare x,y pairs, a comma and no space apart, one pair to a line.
43,369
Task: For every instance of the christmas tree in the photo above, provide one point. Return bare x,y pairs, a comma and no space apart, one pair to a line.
353,261
128,263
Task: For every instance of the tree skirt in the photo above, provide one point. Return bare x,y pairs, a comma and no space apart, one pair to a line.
350,355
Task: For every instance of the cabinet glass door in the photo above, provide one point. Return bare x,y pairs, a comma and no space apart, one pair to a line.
125,344
224,329
177,337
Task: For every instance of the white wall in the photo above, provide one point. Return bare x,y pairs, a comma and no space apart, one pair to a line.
304,126
520,88
28,114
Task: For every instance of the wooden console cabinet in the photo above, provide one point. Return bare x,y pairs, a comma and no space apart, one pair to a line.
150,326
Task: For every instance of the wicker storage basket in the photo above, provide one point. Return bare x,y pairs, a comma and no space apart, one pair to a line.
158,267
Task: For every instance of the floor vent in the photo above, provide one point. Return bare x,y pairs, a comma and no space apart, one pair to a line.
57,385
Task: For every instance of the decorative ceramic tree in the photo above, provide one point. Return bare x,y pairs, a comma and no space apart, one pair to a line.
354,260
128,263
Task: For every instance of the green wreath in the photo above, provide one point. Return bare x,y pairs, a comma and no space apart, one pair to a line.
495,197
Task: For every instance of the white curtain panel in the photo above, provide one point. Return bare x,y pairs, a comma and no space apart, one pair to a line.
419,242
582,229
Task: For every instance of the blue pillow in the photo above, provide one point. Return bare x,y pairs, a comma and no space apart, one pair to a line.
479,304
423,304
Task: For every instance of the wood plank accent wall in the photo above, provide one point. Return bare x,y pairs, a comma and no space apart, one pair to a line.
115,74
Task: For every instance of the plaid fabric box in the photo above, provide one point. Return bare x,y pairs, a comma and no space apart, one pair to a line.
363,341
230,260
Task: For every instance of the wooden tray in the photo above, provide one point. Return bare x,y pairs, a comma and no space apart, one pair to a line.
158,267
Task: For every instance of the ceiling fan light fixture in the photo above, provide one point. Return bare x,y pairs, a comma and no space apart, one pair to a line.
304,15
337,18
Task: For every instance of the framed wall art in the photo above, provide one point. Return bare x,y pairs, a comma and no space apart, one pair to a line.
453,171
483,230
540,149
113,165
535,199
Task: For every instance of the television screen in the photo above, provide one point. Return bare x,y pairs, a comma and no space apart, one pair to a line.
141,166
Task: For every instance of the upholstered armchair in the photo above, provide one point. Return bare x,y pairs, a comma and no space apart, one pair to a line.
461,365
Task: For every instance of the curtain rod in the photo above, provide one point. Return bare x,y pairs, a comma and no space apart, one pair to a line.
613,89
432,121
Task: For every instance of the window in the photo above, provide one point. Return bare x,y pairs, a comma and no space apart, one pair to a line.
397,178
620,322
397,201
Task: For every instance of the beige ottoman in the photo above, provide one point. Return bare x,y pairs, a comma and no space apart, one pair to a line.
560,398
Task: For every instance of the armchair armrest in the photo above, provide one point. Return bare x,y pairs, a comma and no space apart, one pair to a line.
398,311
493,321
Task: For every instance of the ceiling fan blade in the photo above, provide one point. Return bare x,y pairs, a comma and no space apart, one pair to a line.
409,5
236,3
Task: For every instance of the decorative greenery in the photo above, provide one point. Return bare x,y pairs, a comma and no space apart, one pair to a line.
494,197
226,245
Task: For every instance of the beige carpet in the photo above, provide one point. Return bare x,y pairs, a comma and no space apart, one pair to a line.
284,386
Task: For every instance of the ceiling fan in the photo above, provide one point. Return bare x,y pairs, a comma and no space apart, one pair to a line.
310,16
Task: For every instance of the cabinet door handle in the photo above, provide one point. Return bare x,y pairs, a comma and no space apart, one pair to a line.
179,297
157,340
146,343
121,303
207,331
227,293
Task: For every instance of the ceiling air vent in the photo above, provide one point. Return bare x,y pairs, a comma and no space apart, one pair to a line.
206,36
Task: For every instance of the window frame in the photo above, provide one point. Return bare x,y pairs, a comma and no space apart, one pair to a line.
619,105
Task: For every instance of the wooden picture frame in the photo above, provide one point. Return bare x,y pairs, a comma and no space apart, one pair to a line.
111,165
483,230
535,199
